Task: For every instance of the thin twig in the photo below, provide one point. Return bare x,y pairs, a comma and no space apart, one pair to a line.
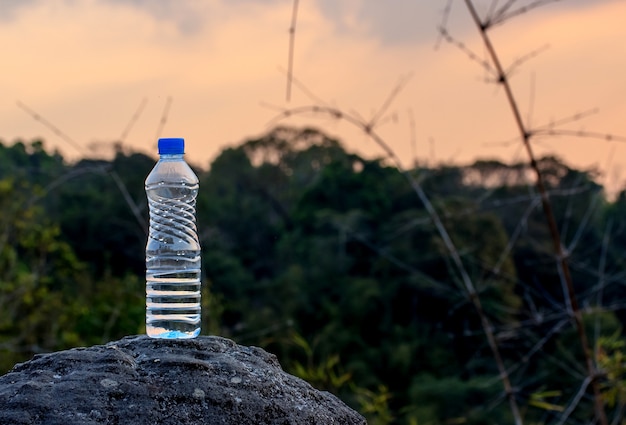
575,401
396,90
413,138
166,110
431,156
568,212
513,238
601,280
299,84
444,22
521,60
585,220
619,412
292,41
492,10
74,173
500,12
541,343
133,119
469,53
129,200
51,127
531,100
568,119
581,134
399,263
524,9
551,130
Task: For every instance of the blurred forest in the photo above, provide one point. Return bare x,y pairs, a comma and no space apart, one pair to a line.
331,262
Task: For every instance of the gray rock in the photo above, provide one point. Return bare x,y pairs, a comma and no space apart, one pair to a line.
139,380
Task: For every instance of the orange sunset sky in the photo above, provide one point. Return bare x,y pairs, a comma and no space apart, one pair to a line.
87,65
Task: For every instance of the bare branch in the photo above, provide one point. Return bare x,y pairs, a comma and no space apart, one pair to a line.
619,413
516,233
356,114
531,100
578,116
431,156
541,343
563,266
129,200
396,90
519,61
305,89
551,130
504,16
74,173
272,107
163,120
292,40
133,119
572,406
492,10
500,12
581,134
444,22
399,263
568,212
413,138
583,224
601,280
470,54
51,127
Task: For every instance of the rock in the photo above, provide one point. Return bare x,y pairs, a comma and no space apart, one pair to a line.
140,380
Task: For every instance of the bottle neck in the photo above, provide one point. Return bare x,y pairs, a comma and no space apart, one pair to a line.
170,156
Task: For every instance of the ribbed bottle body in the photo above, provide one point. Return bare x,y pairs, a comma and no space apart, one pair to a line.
173,265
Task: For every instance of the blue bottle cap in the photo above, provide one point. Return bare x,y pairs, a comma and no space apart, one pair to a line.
171,146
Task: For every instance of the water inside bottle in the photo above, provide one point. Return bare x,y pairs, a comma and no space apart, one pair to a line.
172,263
173,303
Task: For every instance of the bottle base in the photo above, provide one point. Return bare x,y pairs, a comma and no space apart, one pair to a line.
160,333
173,304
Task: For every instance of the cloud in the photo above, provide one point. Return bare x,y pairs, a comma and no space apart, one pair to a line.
405,22
190,16
184,13
400,22
10,8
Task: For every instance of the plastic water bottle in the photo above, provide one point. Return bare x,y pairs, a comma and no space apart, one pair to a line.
173,248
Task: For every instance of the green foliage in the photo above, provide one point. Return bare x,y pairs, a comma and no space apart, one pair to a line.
454,400
375,405
541,399
330,261
37,274
612,361
326,375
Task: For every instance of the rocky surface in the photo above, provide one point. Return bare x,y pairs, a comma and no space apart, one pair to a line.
139,380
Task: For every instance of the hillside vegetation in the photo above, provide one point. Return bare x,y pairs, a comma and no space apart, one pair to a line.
330,261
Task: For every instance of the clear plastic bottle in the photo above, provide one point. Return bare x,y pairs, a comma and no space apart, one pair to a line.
173,249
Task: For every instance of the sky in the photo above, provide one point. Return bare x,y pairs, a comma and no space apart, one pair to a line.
218,68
